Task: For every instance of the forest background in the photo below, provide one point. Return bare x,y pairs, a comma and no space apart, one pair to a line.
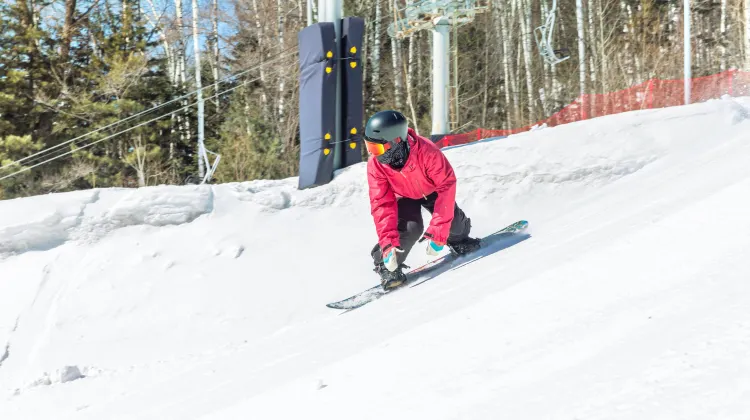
82,76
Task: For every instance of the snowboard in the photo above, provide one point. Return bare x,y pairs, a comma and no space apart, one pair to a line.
494,242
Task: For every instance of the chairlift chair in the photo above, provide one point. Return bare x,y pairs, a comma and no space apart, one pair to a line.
543,37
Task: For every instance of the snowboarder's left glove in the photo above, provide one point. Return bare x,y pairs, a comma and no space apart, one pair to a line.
433,248
390,257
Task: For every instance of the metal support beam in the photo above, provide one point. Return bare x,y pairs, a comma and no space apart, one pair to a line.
440,76
310,12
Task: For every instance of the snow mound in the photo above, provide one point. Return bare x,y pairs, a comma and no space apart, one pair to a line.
161,207
45,222
41,223
272,196
155,207
59,376
736,112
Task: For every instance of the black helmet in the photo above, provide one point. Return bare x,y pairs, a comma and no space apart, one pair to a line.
386,127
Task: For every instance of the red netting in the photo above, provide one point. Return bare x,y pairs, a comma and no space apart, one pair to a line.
654,93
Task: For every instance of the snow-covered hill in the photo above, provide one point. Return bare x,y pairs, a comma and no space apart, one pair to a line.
629,301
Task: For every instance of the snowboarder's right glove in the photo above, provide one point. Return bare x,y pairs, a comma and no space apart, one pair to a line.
390,257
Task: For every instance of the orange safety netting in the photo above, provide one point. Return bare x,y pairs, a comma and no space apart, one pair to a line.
654,93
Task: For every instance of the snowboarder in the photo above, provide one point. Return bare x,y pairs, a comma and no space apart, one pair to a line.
405,173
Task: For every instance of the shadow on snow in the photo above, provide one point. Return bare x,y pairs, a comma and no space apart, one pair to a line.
495,243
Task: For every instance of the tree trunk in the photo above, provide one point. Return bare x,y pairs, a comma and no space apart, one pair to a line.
171,72
127,22
395,47
636,64
182,69
592,55
746,27
171,62
420,71
603,57
67,32
525,19
366,50
261,52
215,45
280,38
581,55
28,20
486,85
625,55
140,161
246,99
510,73
723,40
300,11
506,62
497,19
544,95
410,78
409,97
456,120
701,53
199,87
376,54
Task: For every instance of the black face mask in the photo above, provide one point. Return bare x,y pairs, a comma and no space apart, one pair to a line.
396,156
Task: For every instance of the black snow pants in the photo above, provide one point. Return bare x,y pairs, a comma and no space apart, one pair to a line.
411,226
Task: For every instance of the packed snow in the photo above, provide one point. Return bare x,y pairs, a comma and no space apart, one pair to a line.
628,301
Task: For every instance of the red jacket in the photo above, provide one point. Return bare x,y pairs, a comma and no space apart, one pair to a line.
426,171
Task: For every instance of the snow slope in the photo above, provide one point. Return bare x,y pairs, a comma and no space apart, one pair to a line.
629,301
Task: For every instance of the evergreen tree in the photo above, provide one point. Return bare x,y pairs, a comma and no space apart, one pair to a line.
12,149
23,68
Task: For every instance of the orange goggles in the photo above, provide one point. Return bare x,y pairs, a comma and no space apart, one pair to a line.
377,149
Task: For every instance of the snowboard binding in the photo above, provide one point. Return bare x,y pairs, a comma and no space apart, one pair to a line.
390,280
465,246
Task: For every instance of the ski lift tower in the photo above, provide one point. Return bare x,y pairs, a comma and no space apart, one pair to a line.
438,16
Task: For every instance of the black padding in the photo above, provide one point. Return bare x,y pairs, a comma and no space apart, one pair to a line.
352,35
317,103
